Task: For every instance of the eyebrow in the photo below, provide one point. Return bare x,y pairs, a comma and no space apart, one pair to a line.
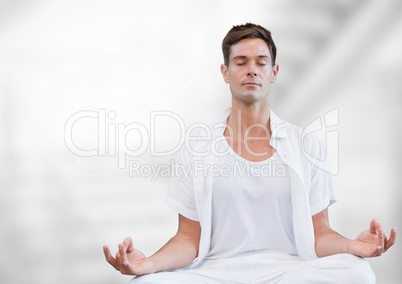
245,57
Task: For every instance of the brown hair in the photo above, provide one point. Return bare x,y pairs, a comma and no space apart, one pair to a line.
249,30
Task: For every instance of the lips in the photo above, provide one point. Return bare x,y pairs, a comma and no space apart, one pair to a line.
251,84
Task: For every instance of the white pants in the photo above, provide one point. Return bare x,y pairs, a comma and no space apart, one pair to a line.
269,267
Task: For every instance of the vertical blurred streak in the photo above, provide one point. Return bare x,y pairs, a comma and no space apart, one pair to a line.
8,178
307,37
349,46
397,167
10,171
3,198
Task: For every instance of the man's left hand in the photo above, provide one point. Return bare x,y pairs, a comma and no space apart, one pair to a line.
372,242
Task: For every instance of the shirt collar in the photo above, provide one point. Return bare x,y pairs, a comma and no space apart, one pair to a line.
278,126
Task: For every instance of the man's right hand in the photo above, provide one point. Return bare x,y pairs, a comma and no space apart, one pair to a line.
128,260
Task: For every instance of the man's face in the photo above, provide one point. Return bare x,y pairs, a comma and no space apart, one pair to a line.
250,72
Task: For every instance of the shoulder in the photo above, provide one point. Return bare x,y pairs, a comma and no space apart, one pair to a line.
300,139
302,136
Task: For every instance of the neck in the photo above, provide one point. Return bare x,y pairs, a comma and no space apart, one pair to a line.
250,119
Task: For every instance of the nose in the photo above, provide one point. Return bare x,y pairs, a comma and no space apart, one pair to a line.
252,70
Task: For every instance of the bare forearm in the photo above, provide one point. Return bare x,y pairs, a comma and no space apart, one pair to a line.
329,242
176,253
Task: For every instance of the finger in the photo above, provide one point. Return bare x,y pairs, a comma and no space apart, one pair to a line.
127,268
391,239
377,251
376,229
373,226
109,258
381,237
128,243
122,253
108,255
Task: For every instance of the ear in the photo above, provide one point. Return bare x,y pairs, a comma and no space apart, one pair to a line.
224,71
275,71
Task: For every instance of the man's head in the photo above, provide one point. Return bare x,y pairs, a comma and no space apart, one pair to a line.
247,31
250,67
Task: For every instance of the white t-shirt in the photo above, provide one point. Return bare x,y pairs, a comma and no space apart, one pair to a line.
190,189
251,206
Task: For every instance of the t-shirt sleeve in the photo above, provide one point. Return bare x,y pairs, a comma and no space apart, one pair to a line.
180,196
322,193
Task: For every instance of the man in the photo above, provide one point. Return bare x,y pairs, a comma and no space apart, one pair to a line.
264,217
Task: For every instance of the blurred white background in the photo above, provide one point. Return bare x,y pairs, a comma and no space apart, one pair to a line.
129,58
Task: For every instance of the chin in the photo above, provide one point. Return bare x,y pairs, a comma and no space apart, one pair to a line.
251,98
